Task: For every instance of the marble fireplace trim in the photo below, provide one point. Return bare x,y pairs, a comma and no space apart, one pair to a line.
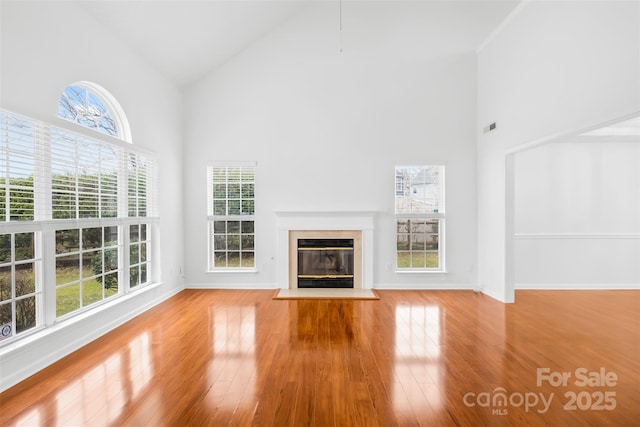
297,221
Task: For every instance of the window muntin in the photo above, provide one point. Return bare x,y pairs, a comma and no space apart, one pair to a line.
62,188
420,217
231,206
19,290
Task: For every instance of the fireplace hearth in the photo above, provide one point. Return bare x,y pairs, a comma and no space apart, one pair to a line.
325,263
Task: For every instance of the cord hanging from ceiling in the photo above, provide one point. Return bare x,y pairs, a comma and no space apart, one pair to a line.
340,26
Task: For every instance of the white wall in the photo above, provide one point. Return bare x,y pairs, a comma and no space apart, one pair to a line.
326,129
555,67
577,216
45,47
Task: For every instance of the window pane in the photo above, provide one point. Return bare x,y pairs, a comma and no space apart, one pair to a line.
5,283
234,191
134,276
111,284
219,207
25,314
110,236
233,227
110,260
143,232
247,242
233,242
248,207
219,227
248,259
24,246
432,260
67,269
91,291
234,207
67,299
134,232
404,259
5,319
418,260
233,259
143,252
220,259
91,238
247,227
220,242
67,241
143,273
5,248
134,254
25,279
220,191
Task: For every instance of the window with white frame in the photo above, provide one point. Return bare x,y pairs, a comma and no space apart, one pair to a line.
91,106
70,202
420,218
231,216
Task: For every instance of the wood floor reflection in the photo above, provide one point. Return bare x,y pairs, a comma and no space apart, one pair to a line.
430,358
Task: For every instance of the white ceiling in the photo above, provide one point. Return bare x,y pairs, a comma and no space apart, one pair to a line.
184,40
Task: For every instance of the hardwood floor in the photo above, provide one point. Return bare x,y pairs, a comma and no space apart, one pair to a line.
430,358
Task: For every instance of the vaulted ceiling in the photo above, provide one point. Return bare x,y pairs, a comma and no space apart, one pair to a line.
185,40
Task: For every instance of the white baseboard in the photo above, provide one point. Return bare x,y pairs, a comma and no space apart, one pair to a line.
231,286
577,286
424,286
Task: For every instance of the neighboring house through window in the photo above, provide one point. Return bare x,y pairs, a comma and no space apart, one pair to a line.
420,217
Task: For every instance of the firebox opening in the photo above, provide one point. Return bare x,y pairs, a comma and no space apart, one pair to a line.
325,263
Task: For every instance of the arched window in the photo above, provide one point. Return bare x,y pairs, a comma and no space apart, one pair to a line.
93,107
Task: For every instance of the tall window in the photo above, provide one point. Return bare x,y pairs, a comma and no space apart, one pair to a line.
420,217
83,206
231,214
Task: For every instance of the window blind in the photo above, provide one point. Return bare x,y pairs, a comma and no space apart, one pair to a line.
52,173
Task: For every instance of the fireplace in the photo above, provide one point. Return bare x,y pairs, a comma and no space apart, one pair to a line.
331,231
325,263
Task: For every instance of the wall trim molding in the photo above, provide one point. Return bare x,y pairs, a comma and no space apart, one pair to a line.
556,236
231,286
578,286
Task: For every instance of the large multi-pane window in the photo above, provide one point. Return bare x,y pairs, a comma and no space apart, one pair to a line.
231,210
76,221
420,216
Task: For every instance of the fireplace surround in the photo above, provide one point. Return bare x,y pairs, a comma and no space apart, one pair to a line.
300,225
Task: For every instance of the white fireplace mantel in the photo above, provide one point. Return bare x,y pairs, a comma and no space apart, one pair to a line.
325,220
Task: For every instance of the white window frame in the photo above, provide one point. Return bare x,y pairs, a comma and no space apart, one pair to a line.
240,217
425,211
44,224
